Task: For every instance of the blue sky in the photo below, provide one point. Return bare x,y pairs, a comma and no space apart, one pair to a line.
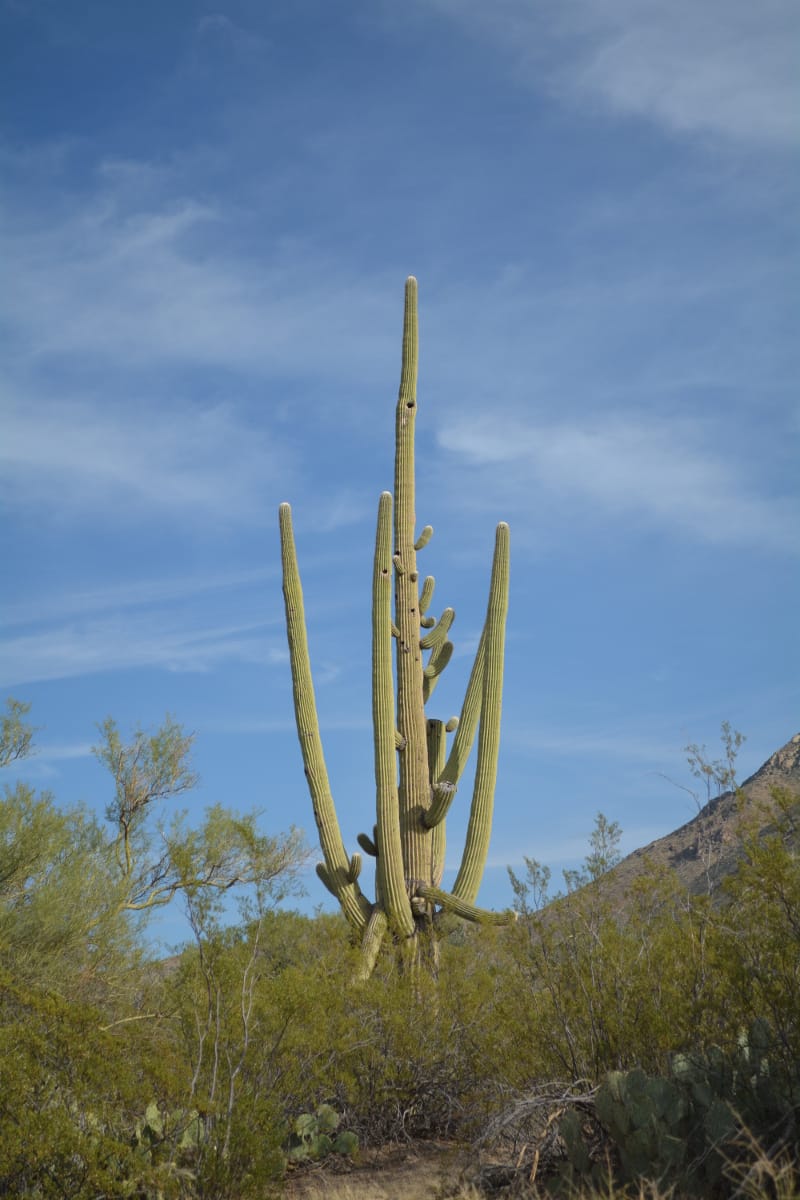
208,213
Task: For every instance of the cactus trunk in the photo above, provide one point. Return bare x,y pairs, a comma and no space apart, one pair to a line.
415,778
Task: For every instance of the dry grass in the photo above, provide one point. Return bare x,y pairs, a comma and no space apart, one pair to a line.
437,1171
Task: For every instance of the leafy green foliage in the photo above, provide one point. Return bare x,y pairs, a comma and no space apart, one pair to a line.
68,1097
16,735
157,859
588,991
720,773
127,1077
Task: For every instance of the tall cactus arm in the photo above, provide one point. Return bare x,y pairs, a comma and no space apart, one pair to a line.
390,851
354,904
414,787
446,782
436,751
480,818
426,595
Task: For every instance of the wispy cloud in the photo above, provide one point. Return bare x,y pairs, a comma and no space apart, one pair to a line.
132,593
177,458
650,472
136,272
148,356
137,640
60,752
619,743
42,764
724,67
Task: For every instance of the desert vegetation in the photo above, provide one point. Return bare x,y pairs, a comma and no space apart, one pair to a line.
645,1039
614,1039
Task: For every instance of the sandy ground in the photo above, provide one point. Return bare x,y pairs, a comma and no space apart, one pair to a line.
416,1172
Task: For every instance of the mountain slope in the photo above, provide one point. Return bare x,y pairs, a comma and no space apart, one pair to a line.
705,849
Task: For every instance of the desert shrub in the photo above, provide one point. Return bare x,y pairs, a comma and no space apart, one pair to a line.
69,1101
250,1032
756,946
398,1056
694,1130
598,982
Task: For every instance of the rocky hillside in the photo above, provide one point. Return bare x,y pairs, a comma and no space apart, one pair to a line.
705,849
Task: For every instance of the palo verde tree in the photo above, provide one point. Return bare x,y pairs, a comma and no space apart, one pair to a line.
75,890
415,776
154,860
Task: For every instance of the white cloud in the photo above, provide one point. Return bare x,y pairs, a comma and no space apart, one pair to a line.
134,641
139,274
130,594
724,67
59,752
82,453
612,744
656,473
125,302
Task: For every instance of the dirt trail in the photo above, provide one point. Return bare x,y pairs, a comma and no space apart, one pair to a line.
395,1173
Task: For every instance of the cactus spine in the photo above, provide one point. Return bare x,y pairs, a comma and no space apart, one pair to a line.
415,779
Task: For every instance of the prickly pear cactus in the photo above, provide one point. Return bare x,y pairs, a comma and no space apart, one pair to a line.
312,1137
684,1130
646,1118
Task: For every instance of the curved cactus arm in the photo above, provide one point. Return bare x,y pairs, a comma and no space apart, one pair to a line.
439,632
371,942
467,724
430,675
425,536
480,818
367,845
354,904
426,595
324,874
469,912
390,851
443,795
355,867
436,749
444,789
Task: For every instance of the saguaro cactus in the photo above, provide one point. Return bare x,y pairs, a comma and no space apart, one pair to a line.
416,778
